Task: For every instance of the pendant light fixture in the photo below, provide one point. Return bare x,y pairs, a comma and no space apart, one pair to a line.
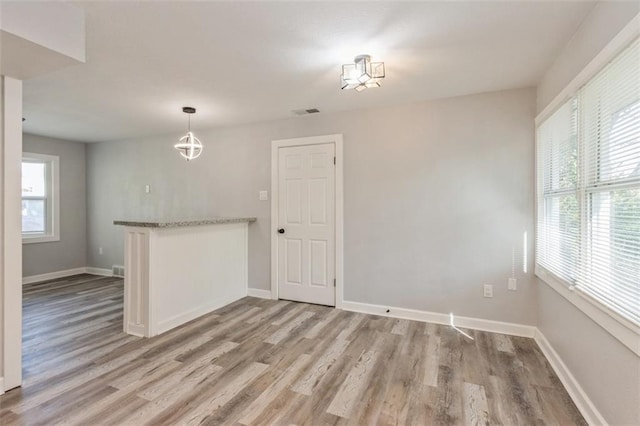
189,146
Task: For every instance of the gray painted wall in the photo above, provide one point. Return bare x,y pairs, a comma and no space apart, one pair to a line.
606,369
437,195
71,251
599,27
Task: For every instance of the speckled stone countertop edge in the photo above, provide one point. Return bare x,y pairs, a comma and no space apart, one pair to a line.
182,223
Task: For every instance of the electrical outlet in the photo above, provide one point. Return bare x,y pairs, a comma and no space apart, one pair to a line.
263,195
147,189
488,290
513,284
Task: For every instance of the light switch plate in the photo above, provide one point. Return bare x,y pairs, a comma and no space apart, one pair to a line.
512,284
263,195
487,290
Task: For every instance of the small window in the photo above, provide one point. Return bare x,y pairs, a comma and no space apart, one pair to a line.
40,198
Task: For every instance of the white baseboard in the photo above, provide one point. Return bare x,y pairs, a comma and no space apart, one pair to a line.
99,271
577,394
53,275
258,292
66,273
136,330
440,318
192,314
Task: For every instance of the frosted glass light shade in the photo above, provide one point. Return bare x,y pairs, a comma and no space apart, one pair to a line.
362,74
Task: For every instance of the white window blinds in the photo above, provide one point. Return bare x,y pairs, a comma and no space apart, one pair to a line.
588,164
558,239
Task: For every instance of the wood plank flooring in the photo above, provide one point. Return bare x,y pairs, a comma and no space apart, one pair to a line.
269,362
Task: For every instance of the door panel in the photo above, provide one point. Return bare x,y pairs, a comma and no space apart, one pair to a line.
317,201
293,256
318,263
294,201
306,211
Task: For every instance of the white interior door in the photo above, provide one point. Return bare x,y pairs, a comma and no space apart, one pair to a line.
306,223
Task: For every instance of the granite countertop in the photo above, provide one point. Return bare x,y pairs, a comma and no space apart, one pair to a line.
149,223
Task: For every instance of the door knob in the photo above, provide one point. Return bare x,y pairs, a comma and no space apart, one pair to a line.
281,231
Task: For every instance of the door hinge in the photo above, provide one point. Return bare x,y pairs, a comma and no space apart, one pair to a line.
334,160
334,282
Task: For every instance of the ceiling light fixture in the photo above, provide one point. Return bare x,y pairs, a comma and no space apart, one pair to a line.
189,146
362,74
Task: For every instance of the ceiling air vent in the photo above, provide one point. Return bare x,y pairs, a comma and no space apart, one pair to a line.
306,111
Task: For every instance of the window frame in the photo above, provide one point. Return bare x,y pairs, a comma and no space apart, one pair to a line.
623,329
590,188
52,198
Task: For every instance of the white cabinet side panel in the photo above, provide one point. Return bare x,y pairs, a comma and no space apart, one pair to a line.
196,270
136,282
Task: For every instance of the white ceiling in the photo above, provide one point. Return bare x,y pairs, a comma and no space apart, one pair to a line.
240,62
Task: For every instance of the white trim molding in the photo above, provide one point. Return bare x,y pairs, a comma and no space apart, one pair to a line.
184,317
53,275
339,194
577,394
258,292
620,328
98,271
1,385
52,198
440,318
67,273
11,231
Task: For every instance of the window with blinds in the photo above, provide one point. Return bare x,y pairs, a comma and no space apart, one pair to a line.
588,172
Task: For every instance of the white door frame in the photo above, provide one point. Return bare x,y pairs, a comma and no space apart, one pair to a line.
339,228
11,234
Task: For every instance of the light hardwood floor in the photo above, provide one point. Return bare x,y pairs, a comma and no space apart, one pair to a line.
269,362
